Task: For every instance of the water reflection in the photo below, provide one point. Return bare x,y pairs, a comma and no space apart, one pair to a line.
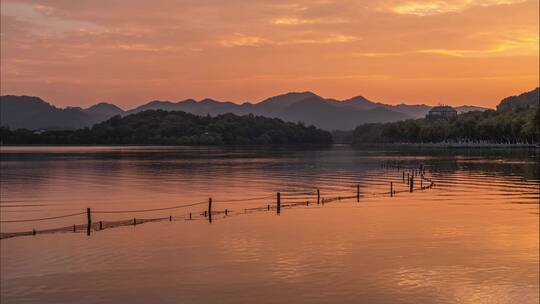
471,239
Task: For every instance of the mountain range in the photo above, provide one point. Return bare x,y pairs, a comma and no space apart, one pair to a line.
330,114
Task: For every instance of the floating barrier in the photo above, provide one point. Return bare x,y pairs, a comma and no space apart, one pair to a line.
291,200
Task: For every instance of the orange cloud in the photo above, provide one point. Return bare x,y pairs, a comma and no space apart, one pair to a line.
431,7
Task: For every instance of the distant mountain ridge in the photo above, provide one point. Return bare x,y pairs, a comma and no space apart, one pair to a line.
34,113
306,107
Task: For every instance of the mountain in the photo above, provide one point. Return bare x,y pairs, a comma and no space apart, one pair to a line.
104,109
283,101
34,113
414,111
306,107
317,111
523,101
203,107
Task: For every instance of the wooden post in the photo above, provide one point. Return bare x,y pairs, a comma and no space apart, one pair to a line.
391,189
278,205
226,211
210,210
34,231
100,225
190,215
403,177
170,218
74,228
357,192
411,184
134,221
268,207
318,196
205,213
421,183
408,178
89,222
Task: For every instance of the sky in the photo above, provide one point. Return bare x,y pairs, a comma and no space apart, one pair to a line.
125,52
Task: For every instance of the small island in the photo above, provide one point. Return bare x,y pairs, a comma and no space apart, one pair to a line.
158,127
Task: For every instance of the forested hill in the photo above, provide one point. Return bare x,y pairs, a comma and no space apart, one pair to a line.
523,101
517,120
158,127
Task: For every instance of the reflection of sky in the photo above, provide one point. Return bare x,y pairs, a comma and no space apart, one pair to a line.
462,285
463,241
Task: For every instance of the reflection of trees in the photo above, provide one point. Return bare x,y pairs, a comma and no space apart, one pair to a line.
516,161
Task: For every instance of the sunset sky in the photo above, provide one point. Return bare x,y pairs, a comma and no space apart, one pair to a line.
130,52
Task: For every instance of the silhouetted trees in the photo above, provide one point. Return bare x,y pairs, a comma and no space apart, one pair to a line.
177,128
521,126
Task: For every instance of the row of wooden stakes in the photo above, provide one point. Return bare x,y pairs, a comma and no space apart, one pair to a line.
409,178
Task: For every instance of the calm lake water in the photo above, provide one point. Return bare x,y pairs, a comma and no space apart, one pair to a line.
473,238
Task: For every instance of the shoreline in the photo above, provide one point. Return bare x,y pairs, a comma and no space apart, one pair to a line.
452,145
365,145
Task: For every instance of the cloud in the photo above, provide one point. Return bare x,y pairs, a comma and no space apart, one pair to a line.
333,38
243,40
291,21
238,39
430,7
43,18
301,21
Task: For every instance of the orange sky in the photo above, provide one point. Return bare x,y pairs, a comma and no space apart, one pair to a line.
129,52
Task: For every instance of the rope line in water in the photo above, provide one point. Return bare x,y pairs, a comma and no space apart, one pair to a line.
43,218
295,196
245,199
148,210
297,193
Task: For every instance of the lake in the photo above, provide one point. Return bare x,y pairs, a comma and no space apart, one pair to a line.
472,238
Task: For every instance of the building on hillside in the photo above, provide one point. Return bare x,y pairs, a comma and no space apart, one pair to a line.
441,113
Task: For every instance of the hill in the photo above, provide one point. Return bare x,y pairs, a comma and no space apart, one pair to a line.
158,127
523,101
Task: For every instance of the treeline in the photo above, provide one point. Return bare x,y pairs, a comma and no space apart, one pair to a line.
491,126
158,127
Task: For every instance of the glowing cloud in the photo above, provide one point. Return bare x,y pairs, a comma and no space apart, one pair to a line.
291,21
239,39
426,8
